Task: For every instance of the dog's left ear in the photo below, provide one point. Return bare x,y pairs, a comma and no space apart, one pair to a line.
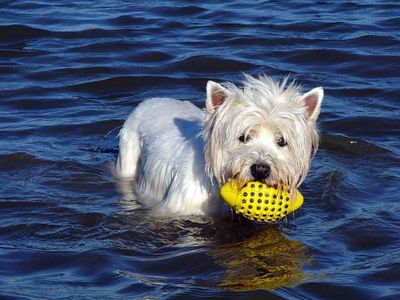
312,101
216,95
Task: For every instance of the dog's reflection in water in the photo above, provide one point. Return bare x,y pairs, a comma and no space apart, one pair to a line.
266,261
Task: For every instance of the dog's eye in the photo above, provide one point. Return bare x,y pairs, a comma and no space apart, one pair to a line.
244,138
281,142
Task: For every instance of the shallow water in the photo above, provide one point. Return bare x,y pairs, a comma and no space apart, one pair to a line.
70,74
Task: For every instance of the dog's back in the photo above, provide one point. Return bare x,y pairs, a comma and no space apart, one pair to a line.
161,148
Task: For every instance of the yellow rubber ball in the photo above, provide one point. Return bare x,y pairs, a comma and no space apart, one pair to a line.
259,202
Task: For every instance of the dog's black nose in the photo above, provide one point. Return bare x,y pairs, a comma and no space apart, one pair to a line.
260,171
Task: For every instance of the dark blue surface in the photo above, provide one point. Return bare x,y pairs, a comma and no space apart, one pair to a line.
71,72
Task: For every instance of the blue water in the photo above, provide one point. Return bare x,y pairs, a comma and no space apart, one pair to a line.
71,72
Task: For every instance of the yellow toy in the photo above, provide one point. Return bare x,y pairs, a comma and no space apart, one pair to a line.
260,202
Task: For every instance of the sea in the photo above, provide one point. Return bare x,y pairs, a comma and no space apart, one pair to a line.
72,71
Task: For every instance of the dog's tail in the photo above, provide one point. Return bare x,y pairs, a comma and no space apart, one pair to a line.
129,152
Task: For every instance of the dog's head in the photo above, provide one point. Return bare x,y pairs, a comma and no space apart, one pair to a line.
263,131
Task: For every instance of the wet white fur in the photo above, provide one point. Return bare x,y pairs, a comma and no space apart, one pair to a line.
178,155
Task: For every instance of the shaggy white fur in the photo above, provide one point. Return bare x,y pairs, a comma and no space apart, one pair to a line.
178,155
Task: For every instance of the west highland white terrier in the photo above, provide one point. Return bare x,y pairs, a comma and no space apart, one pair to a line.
179,155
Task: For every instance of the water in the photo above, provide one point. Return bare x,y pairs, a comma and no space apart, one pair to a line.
72,71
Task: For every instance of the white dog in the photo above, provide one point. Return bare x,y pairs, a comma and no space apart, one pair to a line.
180,155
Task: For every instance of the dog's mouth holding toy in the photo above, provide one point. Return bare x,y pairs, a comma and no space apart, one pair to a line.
260,202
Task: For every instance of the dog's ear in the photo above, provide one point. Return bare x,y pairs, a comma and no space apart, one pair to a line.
216,95
312,101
